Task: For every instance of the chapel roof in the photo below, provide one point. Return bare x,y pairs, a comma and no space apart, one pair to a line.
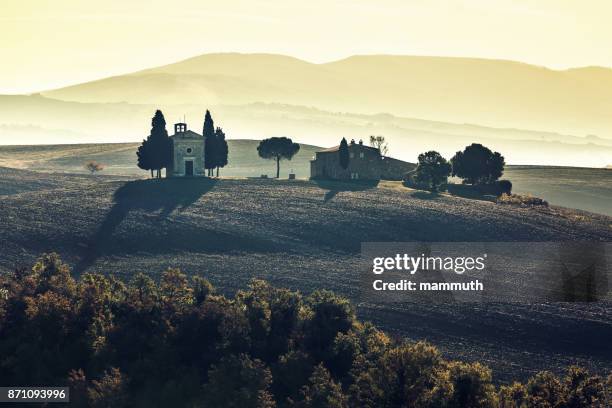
188,134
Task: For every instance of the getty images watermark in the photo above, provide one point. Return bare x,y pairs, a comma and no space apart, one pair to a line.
486,271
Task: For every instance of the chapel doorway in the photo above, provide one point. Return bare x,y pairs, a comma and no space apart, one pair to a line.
188,167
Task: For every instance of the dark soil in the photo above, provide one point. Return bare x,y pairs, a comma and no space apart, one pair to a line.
307,236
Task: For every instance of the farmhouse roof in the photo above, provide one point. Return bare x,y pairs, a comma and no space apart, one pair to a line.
336,148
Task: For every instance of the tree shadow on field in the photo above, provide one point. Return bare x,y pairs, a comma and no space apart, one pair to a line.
153,195
334,186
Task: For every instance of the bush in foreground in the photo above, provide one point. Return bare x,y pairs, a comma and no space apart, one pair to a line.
178,343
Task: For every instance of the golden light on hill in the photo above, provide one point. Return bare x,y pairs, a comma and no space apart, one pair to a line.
51,44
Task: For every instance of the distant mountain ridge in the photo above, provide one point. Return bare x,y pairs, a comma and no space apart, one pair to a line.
532,115
463,90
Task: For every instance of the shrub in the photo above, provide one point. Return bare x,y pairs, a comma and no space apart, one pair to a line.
413,375
503,187
584,390
512,396
497,188
109,391
521,200
238,381
322,391
93,167
472,386
545,390
411,180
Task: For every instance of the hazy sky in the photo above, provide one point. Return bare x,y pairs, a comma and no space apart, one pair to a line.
46,44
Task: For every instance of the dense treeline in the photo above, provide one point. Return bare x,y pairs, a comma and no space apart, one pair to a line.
179,343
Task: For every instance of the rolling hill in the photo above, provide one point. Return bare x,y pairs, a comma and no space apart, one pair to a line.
119,159
532,115
461,90
303,235
582,188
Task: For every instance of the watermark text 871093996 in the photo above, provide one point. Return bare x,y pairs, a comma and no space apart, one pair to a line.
34,394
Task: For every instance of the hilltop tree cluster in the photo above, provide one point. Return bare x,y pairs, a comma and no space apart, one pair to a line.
477,165
155,152
178,343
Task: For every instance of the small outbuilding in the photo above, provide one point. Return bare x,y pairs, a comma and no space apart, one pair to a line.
187,153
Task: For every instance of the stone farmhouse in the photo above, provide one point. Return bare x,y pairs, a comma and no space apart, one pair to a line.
187,153
365,163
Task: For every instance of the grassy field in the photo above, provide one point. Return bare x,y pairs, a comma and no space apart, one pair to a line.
582,188
306,236
120,159
574,187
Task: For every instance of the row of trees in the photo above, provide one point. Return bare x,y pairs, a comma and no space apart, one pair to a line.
179,343
155,152
476,165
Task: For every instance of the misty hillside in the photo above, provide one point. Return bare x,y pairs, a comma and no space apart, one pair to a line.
488,92
41,120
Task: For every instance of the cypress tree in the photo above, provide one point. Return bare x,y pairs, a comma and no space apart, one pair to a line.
158,150
221,149
209,142
344,154
143,153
